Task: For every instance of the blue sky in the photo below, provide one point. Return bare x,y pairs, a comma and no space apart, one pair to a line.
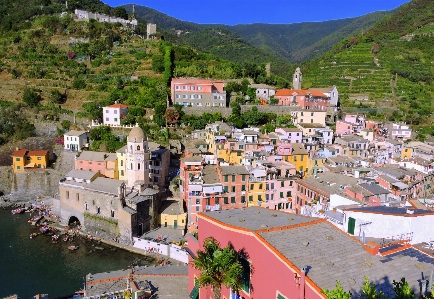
233,12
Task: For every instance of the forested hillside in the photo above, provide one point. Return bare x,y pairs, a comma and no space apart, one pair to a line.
392,62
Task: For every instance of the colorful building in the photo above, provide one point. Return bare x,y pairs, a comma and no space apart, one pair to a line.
113,114
302,255
23,159
198,92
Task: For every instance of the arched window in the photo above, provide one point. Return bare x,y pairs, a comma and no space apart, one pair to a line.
138,147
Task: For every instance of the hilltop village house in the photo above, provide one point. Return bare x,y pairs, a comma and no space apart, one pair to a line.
92,194
83,15
113,114
198,92
75,140
23,159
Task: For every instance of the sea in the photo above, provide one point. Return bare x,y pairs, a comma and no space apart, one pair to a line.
39,266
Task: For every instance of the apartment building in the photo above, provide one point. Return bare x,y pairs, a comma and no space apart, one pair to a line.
198,92
113,114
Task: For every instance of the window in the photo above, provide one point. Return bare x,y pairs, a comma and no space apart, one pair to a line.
250,197
216,201
233,199
199,96
184,87
106,111
243,199
225,189
243,177
226,178
177,96
243,187
122,173
288,194
225,200
233,178
39,158
176,87
197,201
233,188
245,275
98,210
115,111
260,186
281,194
192,96
67,194
208,200
282,184
191,87
122,162
197,209
77,196
184,96
251,186
260,197
106,119
112,213
17,159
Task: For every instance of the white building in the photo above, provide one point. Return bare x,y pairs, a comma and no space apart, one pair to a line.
330,92
113,114
75,140
390,223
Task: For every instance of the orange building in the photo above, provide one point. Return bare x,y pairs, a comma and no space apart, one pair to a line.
23,159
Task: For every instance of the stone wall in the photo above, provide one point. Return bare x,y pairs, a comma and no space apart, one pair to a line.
226,111
24,186
100,227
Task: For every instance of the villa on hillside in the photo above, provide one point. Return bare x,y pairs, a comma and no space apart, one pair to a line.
198,92
23,159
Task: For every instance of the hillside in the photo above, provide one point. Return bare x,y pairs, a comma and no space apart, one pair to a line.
281,43
304,41
392,63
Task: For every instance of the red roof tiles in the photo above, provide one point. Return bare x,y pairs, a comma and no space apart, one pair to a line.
19,153
291,92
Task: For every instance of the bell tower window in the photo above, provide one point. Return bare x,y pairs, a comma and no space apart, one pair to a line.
138,147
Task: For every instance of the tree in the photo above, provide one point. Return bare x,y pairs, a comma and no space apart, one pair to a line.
120,12
31,98
218,266
171,116
369,291
57,97
337,293
402,289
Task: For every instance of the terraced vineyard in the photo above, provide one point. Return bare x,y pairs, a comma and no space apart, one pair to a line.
354,70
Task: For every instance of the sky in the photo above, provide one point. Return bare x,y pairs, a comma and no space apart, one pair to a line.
232,12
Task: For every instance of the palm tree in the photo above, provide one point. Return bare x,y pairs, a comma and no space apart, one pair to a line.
218,267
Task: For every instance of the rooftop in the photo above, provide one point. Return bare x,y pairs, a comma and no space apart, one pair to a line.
256,218
391,211
171,207
96,156
81,174
236,169
75,133
210,174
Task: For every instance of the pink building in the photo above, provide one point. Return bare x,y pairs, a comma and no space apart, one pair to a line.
344,128
103,163
306,99
296,257
113,114
293,135
198,92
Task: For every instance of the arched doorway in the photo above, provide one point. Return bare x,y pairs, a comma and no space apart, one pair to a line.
73,221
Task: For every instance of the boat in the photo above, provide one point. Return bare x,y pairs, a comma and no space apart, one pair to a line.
44,229
33,235
18,211
55,237
73,247
65,239
99,248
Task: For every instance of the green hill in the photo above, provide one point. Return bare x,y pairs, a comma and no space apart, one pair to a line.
392,62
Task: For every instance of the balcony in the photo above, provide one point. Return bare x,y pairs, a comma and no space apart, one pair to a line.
213,208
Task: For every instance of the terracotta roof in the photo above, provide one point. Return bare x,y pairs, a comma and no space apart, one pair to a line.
37,153
19,153
117,106
290,92
192,81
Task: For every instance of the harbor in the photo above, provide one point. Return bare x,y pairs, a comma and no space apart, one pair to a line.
43,265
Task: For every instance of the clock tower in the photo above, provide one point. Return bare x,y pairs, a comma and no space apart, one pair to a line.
137,157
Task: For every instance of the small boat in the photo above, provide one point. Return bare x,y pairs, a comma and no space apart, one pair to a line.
44,229
33,235
18,211
73,247
66,239
55,237
99,248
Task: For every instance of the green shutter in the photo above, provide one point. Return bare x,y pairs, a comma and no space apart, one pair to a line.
351,225
280,296
194,293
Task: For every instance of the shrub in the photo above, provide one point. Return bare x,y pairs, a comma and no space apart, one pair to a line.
31,98
78,84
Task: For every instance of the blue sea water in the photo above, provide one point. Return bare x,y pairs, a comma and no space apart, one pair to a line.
32,266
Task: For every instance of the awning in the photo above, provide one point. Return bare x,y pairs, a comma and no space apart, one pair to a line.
194,293
30,165
194,187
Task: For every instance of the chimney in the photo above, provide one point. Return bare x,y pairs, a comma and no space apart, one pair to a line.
302,281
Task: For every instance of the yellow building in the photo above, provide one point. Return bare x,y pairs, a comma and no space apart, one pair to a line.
172,215
23,159
231,156
407,152
299,158
122,162
316,165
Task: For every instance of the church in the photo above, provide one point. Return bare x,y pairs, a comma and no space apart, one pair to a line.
106,207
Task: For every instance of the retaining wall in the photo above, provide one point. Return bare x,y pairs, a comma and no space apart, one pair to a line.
173,251
226,111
